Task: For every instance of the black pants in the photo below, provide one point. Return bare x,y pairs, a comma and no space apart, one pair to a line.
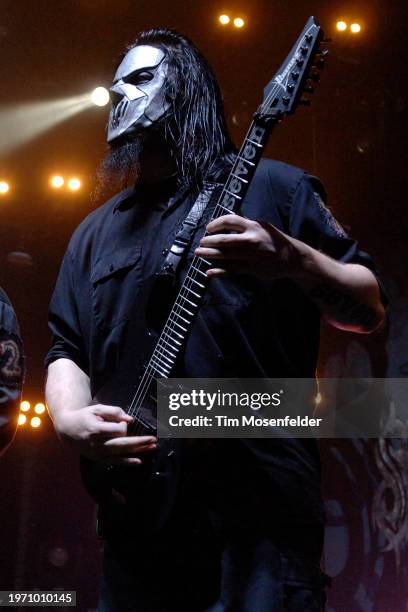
188,574
212,557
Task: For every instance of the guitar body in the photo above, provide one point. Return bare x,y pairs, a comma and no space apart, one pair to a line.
149,490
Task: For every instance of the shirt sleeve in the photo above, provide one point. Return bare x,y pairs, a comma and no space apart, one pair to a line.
63,320
312,222
12,369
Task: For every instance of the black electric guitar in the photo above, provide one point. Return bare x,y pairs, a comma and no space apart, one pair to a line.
150,488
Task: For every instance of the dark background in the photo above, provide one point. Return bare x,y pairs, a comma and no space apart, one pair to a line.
353,138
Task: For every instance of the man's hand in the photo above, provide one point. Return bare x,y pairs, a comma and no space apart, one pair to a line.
99,433
347,294
256,248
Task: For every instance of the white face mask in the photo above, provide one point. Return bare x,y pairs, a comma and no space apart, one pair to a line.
137,93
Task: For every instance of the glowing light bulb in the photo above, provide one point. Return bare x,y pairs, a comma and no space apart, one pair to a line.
355,28
74,184
100,96
239,22
22,419
25,406
57,181
35,422
4,187
224,19
39,408
341,26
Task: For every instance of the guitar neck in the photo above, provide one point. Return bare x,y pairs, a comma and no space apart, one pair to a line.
191,293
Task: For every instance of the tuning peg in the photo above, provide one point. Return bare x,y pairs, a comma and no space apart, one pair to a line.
309,38
286,100
290,87
304,102
309,89
304,50
295,76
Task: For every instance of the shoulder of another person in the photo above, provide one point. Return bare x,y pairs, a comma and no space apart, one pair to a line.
8,319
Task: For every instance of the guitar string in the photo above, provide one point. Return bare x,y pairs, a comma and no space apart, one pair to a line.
151,371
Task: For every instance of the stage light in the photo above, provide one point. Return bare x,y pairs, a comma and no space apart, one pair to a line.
239,22
57,181
100,96
224,19
74,184
39,408
35,422
22,419
4,187
355,28
25,406
341,26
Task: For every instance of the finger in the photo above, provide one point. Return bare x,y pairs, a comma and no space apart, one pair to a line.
130,444
229,223
111,413
211,253
108,429
217,272
224,240
228,269
122,460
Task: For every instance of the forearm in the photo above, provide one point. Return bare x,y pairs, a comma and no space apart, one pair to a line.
347,294
67,388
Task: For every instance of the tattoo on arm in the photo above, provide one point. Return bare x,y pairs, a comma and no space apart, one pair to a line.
344,305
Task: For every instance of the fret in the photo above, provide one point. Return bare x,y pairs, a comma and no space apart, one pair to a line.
247,161
178,325
157,369
168,344
256,144
197,283
158,372
198,270
164,357
171,337
239,178
189,301
225,208
182,307
159,366
234,195
177,314
205,261
193,292
177,334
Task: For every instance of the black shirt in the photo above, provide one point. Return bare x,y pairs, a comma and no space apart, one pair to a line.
11,371
246,327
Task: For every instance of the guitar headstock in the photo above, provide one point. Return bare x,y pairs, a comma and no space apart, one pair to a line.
297,75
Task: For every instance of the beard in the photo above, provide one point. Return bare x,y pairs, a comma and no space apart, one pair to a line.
121,165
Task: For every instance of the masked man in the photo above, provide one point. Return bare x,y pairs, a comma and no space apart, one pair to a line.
11,371
275,271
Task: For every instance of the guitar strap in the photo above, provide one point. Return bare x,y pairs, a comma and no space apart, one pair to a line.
185,234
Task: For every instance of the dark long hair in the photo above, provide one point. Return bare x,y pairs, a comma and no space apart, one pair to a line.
195,128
